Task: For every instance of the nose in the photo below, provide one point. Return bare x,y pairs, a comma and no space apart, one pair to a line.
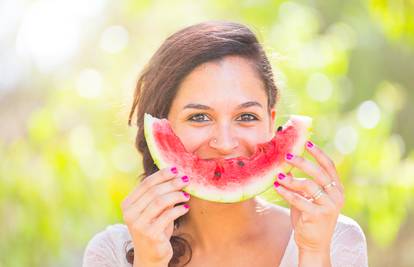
223,140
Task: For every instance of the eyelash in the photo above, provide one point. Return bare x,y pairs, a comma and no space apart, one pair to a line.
198,114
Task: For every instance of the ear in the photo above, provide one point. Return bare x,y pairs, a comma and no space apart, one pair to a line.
273,120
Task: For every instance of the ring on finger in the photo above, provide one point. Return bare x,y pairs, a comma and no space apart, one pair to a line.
329,185
317,194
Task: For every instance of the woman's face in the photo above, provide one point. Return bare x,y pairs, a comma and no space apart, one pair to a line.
220,110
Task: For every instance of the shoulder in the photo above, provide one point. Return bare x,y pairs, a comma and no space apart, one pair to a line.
349,247
108,247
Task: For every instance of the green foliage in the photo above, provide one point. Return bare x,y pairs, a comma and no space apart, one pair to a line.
67,157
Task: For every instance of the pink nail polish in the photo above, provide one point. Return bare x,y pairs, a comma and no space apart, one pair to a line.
276,184
174,170
281,176
289,156
187,195
185,179
309,144
186,206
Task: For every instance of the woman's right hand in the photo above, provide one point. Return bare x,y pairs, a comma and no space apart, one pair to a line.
149,214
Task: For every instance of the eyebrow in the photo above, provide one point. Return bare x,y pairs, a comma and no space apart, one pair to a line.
204,107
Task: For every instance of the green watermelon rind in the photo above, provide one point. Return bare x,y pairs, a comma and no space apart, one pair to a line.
149,138
244,193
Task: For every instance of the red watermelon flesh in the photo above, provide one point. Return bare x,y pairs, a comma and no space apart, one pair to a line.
227,180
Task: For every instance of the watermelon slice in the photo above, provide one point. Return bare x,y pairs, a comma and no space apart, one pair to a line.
227,180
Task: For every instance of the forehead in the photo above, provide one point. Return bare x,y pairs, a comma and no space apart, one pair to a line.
231,80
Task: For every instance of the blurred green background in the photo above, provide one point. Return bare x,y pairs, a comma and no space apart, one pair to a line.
67,73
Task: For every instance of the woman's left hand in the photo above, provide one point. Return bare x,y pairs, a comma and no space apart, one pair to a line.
315,203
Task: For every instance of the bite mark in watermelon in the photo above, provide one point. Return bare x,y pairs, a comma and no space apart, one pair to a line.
227,180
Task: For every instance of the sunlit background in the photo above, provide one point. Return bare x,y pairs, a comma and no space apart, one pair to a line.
67,73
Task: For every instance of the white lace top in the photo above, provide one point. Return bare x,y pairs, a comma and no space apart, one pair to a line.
348,249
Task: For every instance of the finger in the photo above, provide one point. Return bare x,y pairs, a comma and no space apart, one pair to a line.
294,199
316,172
335,195
155,192
168,217
325,162
150,181
162,203
307,187
304,194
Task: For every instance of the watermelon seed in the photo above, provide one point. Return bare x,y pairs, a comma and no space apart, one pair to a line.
279,128
217,172
240,163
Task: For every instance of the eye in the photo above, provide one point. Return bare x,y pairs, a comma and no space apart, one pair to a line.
248,117
200,117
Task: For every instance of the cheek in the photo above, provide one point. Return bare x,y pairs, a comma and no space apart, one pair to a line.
192,138
251,138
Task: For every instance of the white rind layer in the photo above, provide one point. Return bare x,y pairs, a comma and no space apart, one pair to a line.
302,124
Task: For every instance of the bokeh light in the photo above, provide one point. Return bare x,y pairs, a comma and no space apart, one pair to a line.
319,87
89,83
346,140
114,39
368,114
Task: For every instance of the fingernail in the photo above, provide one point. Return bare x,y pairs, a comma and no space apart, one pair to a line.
276,184
309,144
186,206
185,179
187,195
289,156
281,176
174,170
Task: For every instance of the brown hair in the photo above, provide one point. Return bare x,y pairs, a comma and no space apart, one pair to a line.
172,62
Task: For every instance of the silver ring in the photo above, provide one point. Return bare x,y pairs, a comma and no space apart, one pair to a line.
329,185
317,195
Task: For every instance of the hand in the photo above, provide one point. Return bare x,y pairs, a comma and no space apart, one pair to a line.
149,212
315,203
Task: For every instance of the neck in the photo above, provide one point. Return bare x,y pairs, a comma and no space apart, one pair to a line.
212,225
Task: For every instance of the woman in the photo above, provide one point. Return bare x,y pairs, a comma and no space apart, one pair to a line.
215,85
